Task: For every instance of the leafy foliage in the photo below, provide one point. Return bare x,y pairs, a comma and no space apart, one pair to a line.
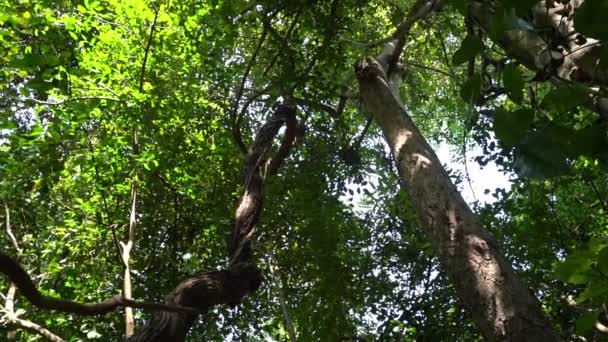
343,240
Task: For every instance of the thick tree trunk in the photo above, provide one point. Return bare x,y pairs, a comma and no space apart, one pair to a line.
577,61
503,308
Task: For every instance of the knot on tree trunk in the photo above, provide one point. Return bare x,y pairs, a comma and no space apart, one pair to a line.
369,68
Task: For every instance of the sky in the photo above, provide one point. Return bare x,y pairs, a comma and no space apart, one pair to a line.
490,177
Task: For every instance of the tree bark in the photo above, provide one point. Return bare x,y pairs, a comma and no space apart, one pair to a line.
503,308
203,290
573,63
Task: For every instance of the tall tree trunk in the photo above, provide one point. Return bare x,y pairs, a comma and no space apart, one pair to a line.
503,308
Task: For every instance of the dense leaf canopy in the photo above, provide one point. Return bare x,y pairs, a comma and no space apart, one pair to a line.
103,98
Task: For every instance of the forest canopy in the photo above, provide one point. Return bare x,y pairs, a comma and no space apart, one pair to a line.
265,170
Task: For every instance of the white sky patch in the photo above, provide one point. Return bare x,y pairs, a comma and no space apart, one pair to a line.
488,177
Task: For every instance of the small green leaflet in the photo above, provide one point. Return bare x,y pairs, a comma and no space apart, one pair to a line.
511,127
471,46
589,19
514,83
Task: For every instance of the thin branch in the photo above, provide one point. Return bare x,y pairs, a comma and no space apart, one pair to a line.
278,284
468,126
256,95
40,330
9,231
444,50
363,133
558,220
318,105
147,51
368,45
59,103
103,197
284,40
465,161
344,95
234,118
420,10
598,194
426,67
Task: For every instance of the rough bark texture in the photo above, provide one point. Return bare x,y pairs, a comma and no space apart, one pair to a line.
575,60
503,308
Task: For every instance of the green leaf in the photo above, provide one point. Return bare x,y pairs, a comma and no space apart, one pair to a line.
471,89
540,155
8,124
589,141
514,83
585,323
511,127
590,21
577,268
602,261
460,5
522,7
563,99
505,19
93,334
36,131
24,91
595,290
471,46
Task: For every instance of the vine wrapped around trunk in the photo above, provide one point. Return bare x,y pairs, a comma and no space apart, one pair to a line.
195,295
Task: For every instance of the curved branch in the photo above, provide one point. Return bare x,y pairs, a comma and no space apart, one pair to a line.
198,293
250,206
242,277
420,10
17,275
38,329
313,104
290,134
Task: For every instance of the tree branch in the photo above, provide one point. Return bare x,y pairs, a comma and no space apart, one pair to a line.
16,274
234,118
283,40
59,103
318,105
420,10
40,330
242,277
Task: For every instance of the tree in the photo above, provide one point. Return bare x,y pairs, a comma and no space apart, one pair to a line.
117,113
